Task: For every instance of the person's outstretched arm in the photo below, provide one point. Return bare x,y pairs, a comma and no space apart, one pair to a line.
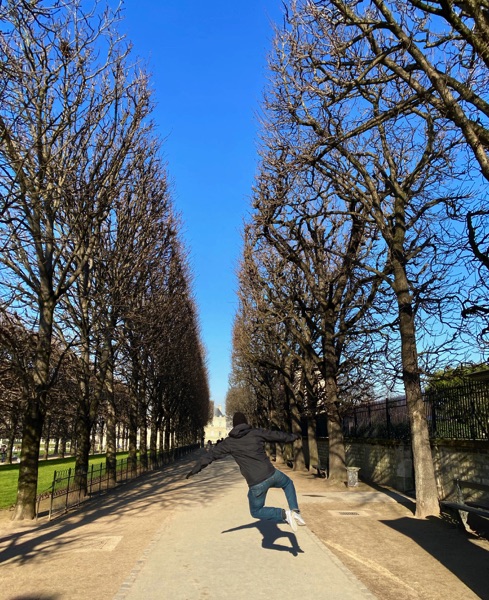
279,436
215,453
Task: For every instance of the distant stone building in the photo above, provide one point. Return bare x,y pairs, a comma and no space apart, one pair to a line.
218,428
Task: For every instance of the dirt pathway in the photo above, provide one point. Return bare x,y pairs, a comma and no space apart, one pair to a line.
93,552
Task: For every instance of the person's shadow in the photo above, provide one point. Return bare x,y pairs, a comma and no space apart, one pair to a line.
270,533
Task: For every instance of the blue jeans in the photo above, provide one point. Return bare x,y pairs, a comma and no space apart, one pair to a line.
257,495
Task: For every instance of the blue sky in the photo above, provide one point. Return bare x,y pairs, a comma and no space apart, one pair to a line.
208,62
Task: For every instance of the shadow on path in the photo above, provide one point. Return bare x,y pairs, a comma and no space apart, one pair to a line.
270,533
401,498
161,488
30,597
452,548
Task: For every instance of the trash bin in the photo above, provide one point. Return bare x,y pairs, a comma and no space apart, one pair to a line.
352,476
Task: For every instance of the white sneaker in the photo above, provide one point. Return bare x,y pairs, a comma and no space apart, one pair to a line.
298,518
290,519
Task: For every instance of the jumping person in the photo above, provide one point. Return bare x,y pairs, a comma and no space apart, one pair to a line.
246,445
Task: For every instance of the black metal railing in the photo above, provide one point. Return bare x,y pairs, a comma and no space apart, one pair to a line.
458,412
386,419
69,489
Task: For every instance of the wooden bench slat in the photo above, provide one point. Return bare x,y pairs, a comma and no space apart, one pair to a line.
466,508
321,470
472,485
477,504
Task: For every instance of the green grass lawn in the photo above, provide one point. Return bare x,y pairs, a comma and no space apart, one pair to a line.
9,475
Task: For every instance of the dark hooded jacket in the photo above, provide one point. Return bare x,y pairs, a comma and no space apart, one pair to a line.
246,445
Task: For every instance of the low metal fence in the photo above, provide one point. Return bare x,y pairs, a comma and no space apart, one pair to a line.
70,488
386,419
457,412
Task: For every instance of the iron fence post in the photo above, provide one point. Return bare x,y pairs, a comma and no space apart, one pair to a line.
52,496
68,489
387,418
432,406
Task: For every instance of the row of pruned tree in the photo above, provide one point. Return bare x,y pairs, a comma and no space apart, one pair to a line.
365,259
97,314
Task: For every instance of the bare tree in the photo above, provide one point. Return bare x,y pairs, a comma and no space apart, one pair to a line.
257,368
162,356
477,301
16,349
184,392
67,122
131,249
266,346
439,50
445,58
320,289
336,115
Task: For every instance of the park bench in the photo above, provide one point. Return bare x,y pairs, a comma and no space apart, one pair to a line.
465,502
321,471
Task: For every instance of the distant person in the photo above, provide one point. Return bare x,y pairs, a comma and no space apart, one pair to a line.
246,445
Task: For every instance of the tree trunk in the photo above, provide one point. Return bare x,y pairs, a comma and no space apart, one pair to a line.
47,430
25,507
10,446
297,449
424,472
82,454
336,455
46,446
161,441
274,420
12,435
63,447
111,427
132,437
153,443
93,442
102,434
143,442
312,442
111,451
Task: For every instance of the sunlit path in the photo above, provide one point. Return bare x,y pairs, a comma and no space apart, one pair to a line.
212,548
